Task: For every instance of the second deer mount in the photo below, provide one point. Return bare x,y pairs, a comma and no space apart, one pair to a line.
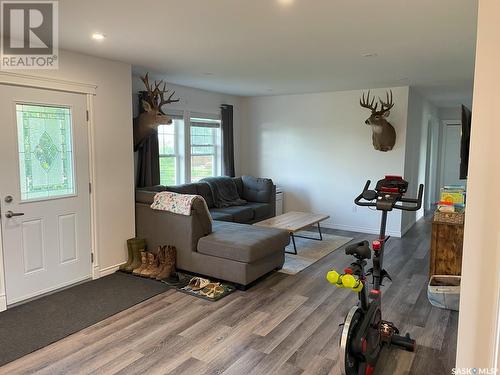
383,133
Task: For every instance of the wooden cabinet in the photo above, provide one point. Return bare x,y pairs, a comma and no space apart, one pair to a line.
446,248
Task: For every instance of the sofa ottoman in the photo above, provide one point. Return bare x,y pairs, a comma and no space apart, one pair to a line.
243,243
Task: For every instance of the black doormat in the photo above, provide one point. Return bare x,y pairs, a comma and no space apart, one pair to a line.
33,325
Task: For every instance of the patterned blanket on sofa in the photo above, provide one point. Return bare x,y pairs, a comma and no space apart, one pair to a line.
176,203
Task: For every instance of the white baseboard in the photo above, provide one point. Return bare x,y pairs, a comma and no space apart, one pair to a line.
359,229
109,270
420,214
3,303
96,272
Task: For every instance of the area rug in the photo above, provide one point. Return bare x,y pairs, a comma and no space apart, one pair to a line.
310,251
181,280
35,324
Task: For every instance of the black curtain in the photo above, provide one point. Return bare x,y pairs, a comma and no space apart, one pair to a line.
465,142
148,163
227,140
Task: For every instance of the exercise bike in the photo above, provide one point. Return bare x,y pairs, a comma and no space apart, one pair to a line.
364,332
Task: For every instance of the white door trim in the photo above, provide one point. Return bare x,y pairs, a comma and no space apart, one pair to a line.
93,185
20,79
25,80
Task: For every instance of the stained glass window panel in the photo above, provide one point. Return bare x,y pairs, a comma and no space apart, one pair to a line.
45,151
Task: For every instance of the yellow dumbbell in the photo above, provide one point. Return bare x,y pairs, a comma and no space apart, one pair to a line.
349,281
344,281
334,278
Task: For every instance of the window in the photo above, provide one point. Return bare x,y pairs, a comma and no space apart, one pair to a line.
169,156
45,151
205,148
189,150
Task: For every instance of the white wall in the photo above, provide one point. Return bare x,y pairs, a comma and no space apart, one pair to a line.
477,344
318,148
432,188
421,114
199,101
113,188
450,113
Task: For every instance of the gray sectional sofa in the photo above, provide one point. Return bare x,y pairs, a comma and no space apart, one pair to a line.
227,247
260,194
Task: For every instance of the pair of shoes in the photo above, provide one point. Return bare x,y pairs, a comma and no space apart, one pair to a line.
134,246
213,290
177,280
149,266
168,258
197,283
157,265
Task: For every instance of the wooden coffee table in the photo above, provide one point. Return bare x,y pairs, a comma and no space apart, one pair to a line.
293,222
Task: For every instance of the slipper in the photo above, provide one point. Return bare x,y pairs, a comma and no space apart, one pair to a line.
197,283
209,287
213,290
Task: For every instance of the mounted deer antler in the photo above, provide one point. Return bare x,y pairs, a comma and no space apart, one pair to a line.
388,104
169,99
384,135
148,121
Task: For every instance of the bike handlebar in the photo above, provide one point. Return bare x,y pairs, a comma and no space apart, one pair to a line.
415,201
357,200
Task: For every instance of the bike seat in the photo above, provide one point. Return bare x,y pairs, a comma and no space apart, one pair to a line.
360,250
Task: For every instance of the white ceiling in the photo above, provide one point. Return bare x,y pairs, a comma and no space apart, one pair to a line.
262,47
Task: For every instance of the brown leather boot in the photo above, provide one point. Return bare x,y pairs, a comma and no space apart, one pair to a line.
144,263
162,258
150,264
156,265
163,261
152,270
170,260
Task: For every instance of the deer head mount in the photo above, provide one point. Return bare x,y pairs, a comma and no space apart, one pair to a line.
148,121
384,135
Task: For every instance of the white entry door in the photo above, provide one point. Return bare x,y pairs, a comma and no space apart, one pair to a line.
44,190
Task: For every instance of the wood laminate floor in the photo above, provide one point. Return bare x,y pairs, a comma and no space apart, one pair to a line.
283,325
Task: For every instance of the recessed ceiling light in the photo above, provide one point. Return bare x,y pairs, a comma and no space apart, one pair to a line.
369,54
286,2
98,36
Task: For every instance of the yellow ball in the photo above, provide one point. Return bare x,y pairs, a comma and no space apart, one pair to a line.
349,281
332,277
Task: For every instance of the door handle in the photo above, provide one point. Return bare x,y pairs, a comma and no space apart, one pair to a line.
10,214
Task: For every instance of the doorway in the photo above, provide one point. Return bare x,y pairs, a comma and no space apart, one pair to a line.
450,154
44,191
